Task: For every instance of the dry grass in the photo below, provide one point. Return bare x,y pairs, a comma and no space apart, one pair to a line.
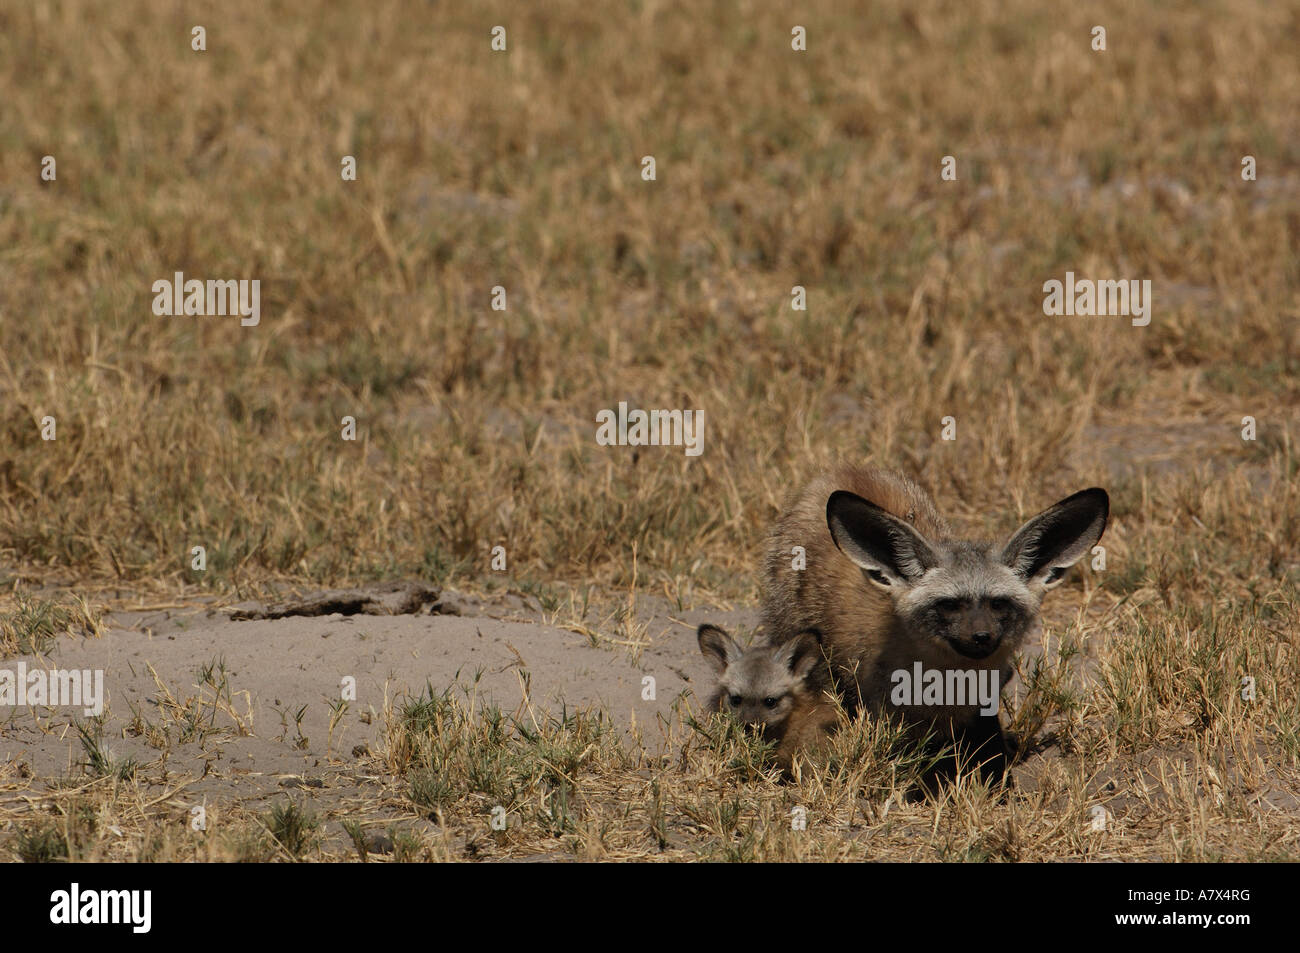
31,625
572,786
476,427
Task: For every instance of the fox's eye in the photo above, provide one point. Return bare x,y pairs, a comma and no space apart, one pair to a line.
1000,606
735,701
949,606
770,702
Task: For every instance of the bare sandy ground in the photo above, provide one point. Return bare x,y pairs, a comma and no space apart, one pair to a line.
277,668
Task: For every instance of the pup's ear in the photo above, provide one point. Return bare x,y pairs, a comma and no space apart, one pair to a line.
889,551
719,648
801,654
1044,548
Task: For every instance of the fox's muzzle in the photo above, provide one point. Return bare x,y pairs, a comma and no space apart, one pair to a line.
977,645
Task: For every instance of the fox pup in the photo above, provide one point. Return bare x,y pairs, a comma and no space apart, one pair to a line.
888,585
771,688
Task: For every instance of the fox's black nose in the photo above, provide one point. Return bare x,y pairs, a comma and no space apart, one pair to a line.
982,638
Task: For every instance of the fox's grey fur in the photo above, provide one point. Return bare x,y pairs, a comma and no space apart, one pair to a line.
888,585
771,688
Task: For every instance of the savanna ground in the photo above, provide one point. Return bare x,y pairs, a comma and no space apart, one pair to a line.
476,427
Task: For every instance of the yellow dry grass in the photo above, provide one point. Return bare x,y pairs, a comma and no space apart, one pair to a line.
476,427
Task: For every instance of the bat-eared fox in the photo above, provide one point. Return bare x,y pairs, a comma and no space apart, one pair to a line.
771,688
862,558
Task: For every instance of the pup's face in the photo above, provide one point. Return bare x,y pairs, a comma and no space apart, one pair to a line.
759,685
965,600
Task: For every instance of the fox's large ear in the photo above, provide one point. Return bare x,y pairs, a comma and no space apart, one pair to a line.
801,654
1044,548
718,647
890,552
